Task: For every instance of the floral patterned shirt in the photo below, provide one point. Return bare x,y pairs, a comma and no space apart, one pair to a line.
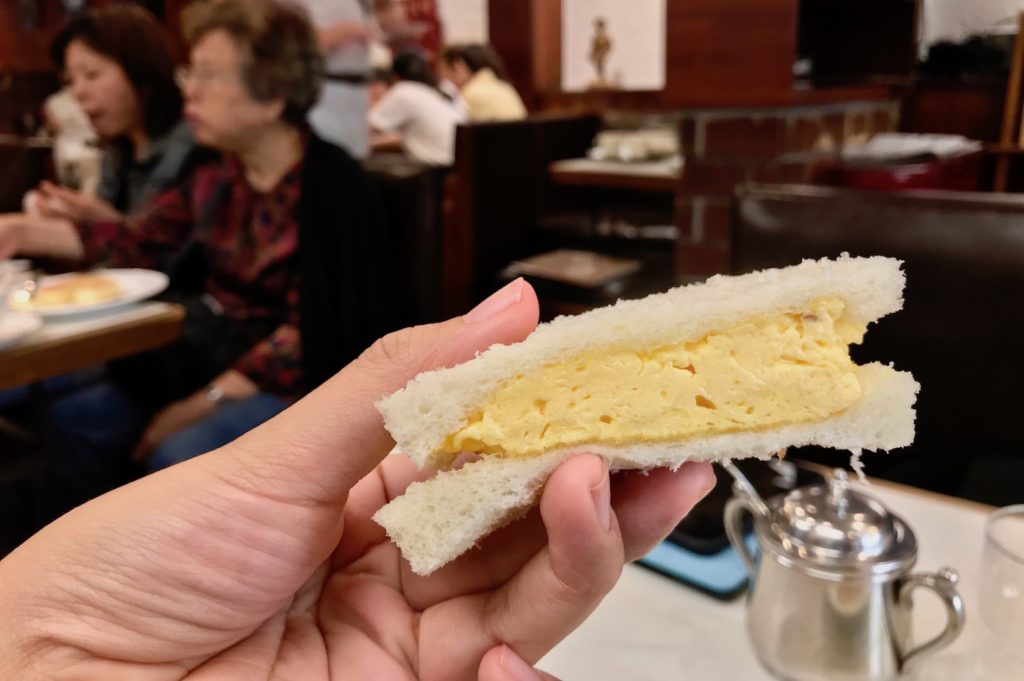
250,240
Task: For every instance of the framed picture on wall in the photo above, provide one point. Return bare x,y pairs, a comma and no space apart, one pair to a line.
613,45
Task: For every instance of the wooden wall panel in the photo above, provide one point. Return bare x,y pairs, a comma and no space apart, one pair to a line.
719,53
974,110
720,47
512,30
547,31
27,50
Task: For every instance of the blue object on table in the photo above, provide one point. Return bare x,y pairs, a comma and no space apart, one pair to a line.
721,574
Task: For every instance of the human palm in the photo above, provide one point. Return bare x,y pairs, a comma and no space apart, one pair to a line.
260,560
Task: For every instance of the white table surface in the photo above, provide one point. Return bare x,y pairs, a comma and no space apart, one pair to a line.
650,627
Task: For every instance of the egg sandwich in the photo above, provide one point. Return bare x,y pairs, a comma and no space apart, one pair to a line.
735,367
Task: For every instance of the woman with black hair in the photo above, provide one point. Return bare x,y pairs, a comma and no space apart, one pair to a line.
118,64
480,75
416,113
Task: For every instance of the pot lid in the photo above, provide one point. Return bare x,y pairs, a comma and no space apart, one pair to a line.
833,527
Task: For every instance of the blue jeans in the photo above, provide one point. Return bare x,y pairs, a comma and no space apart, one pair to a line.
52,387
95,428
231,420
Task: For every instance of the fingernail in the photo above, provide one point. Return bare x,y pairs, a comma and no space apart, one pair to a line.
499,301
603,502
516,667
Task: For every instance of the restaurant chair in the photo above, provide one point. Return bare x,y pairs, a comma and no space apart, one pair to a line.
496,196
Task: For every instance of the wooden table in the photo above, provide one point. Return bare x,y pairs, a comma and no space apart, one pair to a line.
62,347
654,176
651,628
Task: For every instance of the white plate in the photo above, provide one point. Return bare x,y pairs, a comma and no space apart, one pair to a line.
135,285
16,325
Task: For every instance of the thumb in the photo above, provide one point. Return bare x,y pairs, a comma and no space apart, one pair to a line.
325,443
502,664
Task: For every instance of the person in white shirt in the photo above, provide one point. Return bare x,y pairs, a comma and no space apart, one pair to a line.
415,113
351,33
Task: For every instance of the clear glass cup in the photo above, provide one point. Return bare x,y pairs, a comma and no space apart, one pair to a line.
13,275
1000,652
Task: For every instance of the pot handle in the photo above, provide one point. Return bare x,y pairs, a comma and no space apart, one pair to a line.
942,583
734,510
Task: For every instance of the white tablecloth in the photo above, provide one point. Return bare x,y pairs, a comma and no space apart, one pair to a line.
651,627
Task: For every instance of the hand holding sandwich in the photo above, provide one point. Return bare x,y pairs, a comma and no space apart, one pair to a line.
260,560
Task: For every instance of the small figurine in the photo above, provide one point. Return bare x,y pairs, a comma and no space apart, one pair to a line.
600,48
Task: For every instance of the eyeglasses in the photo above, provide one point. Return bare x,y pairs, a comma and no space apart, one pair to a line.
183,75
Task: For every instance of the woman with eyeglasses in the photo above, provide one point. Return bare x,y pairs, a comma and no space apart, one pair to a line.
285,236
415,114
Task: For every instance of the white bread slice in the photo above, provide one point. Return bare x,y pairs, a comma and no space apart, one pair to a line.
436,403
436,521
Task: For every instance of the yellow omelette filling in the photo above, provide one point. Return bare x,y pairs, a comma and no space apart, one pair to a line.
762,373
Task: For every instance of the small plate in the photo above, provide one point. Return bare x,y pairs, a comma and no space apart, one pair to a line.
14,326
136,285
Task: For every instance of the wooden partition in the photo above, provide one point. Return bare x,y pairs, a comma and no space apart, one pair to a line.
495,196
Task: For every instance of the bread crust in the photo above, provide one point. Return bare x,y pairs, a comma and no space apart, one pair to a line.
436,521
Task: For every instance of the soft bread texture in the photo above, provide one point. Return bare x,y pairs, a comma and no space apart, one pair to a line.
436,521
436,403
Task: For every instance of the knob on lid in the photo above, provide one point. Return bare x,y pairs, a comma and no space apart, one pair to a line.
833,527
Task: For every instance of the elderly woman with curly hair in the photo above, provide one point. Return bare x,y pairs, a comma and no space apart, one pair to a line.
278,249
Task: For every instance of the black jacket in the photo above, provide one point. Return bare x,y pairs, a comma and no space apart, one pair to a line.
348,290
348,262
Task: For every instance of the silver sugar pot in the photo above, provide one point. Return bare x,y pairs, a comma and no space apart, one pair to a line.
830,597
